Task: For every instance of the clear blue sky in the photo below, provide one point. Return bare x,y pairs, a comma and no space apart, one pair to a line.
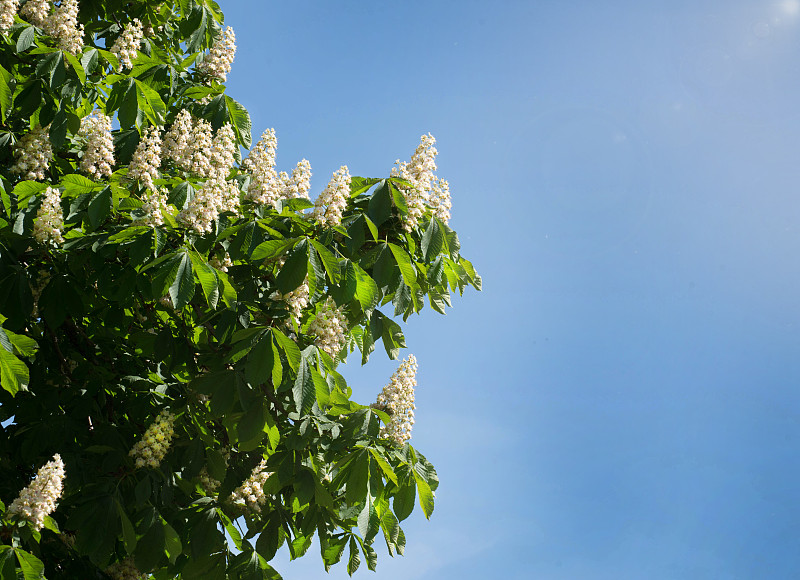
622,400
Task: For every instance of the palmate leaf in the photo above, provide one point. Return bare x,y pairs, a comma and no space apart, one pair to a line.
182,288
14,374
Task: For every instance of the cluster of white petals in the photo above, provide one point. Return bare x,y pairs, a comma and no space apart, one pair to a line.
49,222
330,328
213,198
38,500
264,188
146,159
125,570
397,400
99,155
223,151
177,144
426,189
154,205
296,300
217,64
208,483
126,47
299,184
63,25
33,152
36,12
223,264
8,8
332,201
153,446
201,144
250,495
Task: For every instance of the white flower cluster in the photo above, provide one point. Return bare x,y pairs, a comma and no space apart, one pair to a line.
213,198
125,570
208,483
250,495
264,186
299,184
330,328
8,8
397,400
126,47
154,204
426,188
99,155
38,500
36,12
192,145
223,264
147,159
332,201
296,300
49,221
61,24
177,144
33,152
217,64
153,446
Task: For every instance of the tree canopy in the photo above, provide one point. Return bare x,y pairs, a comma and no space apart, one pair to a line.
174,312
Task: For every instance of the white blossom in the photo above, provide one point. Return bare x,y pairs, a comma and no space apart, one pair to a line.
264,188
214,197
329,328
36,12
8,8
126,47
223,264
38,500
397,400
201,144
98,158
217,64
125,570
176,144
223,151
154,205
299,184
296,300
426,189
33,152
332,201
49,222
154,444
147,159
63,25
250,495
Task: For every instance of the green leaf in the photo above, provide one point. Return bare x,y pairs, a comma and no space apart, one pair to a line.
172,542
366,289
271,249
6,92
379,208
251,425
207,277
26,38
13,373
304,391
359,185
357,473
355,557
128,533
403,503
368,521
432,240
89,60
99,207
404,263
75,185
32,567
7,567
76,66
294,269
289,348
51,68
182,288
328,260
425,495
240,121
384,465
150,102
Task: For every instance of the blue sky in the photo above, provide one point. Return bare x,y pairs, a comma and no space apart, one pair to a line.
621,400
